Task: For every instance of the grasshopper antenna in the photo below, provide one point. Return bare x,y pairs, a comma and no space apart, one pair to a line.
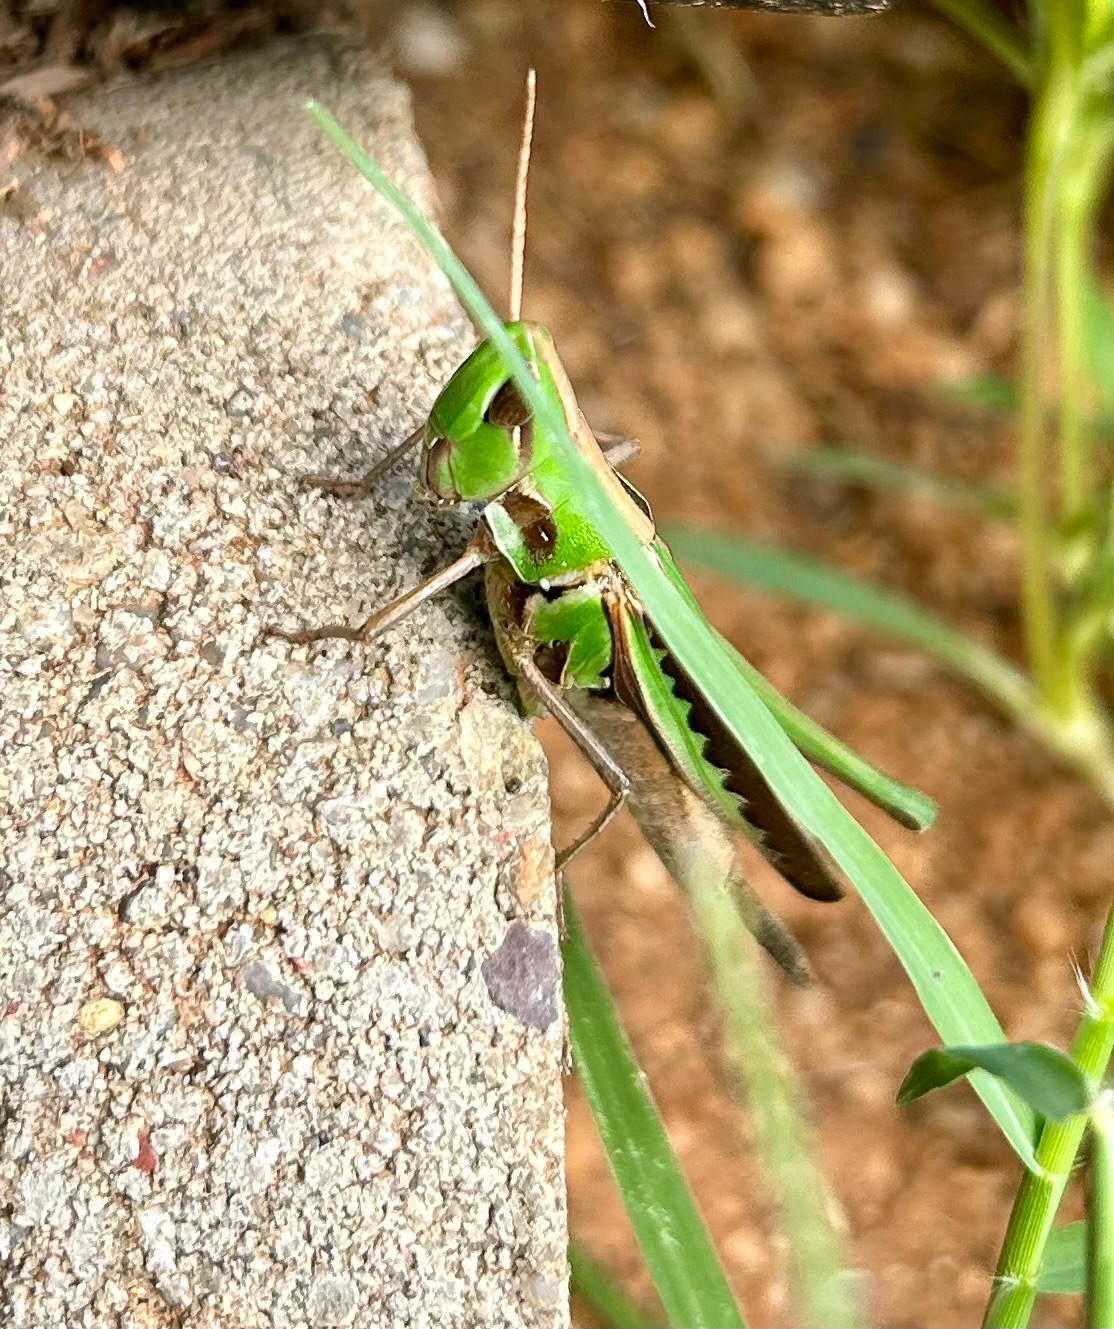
518,240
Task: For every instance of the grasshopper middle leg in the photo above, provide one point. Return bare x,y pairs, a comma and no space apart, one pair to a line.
605,766
477,553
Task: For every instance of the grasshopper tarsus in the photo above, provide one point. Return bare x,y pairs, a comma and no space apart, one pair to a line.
307,635
477,553
339,488
599,825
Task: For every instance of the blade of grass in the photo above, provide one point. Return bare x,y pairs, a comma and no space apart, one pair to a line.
858,468
945,987
823,1292
906,805
671,1234
810,581
985,392
989,28
988,392
593,1284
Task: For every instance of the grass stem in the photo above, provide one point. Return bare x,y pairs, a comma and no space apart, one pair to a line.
1038,1198
1100,1218
1044,149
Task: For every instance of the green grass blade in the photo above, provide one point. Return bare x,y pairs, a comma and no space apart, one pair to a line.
671,1234
985,392
1064,1267
944,985
906,805
823,1292
812,582
949,995
859,468
983,22
610,1304
998,396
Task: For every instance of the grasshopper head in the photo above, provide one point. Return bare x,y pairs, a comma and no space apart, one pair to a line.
479,440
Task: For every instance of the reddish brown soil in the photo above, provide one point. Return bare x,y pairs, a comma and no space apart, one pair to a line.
730,281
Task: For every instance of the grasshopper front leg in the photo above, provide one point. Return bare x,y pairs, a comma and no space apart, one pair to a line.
478,552
366,483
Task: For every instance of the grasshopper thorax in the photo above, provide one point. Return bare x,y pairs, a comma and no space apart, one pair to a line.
479,439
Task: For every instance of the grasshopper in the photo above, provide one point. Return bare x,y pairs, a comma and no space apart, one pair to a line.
571,630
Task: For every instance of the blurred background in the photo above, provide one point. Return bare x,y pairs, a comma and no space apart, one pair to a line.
752,236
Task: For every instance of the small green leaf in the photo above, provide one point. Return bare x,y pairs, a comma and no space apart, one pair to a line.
1064,1267
671,1234
1044,1077
985,392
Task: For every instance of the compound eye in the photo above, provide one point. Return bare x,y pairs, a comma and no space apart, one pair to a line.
435,472
507,409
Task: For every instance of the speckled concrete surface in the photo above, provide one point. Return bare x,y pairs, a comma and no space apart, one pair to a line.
280,1040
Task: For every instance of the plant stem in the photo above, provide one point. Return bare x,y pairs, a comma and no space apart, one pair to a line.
1084,741
989,28
1100,1218
1038,1198
1076,209
1044,150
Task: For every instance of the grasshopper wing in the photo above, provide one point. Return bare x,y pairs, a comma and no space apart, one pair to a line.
707,757
685,833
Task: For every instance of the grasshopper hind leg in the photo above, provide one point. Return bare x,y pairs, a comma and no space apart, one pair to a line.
618,448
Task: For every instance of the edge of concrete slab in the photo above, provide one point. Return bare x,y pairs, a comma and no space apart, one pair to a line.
254,1065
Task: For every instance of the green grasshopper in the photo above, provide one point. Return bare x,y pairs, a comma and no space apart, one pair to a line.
573,633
